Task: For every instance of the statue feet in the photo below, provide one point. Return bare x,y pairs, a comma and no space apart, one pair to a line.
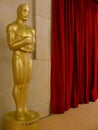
28,113
20,116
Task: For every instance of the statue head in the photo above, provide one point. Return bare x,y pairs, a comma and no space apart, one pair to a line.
23,12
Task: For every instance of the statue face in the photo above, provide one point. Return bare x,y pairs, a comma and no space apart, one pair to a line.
23,12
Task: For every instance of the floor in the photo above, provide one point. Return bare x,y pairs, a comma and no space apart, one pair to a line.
85,117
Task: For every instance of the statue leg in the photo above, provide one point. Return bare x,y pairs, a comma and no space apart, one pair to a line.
18,74
28,75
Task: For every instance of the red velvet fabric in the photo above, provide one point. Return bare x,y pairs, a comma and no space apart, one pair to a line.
74,58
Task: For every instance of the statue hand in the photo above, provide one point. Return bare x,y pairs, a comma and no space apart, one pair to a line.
29,40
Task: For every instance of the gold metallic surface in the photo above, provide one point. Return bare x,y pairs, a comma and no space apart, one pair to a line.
21,40
29,124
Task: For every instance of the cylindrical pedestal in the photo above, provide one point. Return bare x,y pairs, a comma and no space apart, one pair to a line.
12,124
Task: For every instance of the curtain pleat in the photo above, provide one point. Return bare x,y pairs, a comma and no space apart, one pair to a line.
74,57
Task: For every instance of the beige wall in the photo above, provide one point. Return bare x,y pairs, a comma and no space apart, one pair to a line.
39,92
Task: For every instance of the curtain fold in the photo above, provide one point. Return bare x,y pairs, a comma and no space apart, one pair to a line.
74,58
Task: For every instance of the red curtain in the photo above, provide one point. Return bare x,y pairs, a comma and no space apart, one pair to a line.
74,58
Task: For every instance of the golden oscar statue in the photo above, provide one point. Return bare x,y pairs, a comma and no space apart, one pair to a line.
21,40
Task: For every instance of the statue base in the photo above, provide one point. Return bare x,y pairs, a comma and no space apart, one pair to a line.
29,124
